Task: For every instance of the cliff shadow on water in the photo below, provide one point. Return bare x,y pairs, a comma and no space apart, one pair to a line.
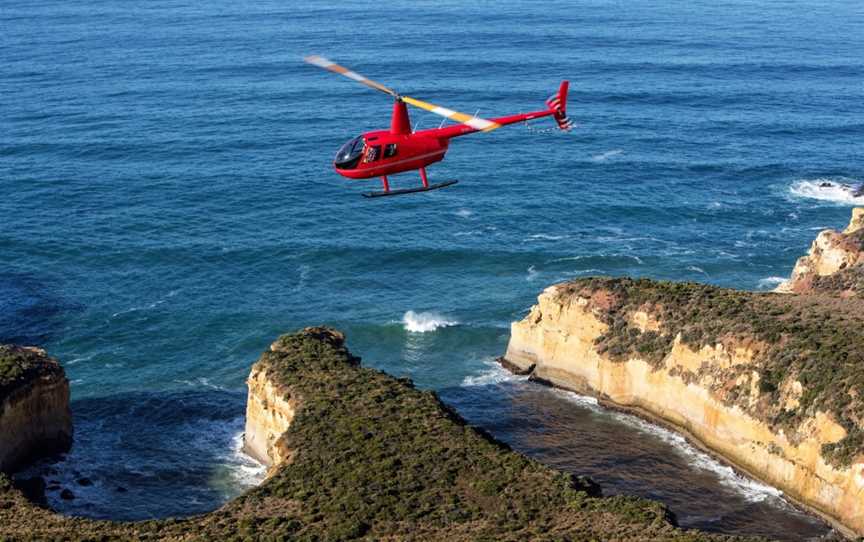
627,456
148,455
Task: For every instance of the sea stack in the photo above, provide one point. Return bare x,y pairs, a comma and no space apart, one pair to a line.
35,419
773,383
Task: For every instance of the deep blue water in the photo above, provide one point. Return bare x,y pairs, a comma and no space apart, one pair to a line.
167,208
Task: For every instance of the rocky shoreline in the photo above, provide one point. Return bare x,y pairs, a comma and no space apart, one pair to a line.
357,454
769,382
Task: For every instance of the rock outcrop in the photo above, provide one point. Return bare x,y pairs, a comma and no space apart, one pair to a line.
834,264
269,411
770,382
35,419
367,456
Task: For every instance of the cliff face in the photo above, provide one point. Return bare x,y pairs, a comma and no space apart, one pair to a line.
269,411
35,419
362,455
772,383
835,262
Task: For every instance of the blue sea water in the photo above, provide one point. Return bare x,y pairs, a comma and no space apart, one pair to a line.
167,208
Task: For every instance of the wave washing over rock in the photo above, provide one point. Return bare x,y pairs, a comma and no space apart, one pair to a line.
770,382
840,190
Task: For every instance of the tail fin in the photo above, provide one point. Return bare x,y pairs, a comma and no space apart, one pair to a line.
558,104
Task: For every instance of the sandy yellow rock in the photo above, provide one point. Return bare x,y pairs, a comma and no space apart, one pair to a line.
557,339
829,253
268,415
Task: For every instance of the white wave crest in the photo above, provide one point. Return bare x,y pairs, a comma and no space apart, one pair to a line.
771,282
603,156
835,189
750,489
422,322
493,374
696,269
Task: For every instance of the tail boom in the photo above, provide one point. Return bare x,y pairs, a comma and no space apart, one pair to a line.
557,108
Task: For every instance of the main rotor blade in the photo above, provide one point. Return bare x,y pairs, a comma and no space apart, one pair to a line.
322,62
477,123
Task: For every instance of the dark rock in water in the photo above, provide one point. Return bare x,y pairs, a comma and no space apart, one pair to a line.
86,482
121,489
67,495
33,489
589,486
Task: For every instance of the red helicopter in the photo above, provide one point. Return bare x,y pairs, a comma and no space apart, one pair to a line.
387,152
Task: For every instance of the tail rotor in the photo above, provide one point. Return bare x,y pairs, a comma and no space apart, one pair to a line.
558,104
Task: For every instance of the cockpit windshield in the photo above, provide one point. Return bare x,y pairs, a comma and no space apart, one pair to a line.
349,154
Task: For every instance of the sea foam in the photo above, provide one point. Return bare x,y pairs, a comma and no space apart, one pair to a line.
751,490
841,191
423,322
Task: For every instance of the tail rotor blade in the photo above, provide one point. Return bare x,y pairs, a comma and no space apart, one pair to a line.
322,62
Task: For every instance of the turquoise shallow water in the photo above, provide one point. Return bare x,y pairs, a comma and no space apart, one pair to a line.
167,208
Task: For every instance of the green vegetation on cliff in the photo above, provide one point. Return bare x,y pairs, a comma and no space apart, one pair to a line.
816,340
20,365
374,458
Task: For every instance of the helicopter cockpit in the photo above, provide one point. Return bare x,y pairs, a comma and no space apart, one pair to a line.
349,154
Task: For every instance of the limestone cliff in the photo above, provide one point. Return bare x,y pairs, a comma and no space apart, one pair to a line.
35,419
269,411
835,262
770,382
365,456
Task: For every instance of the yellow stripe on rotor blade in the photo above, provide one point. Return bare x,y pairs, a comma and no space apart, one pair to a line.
322,62
474,122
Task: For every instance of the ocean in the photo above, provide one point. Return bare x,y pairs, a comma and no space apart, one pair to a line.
168,208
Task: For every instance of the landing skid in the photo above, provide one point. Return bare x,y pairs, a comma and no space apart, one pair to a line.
429,188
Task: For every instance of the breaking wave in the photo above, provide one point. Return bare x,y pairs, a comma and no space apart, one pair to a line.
769,283
422,322
835,189
492,374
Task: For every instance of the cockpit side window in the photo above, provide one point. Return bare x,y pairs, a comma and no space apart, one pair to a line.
390,150
373,153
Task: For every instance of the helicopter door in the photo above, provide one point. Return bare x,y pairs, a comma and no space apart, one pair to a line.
372,153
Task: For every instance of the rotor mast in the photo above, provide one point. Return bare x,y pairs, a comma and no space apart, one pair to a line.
400,123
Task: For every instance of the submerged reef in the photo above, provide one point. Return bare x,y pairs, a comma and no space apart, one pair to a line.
363,455
773,383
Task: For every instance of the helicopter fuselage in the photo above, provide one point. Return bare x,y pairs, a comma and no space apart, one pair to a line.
382,153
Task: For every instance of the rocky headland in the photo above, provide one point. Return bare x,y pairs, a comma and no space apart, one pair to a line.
35,420
773,383
834,264
358,454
